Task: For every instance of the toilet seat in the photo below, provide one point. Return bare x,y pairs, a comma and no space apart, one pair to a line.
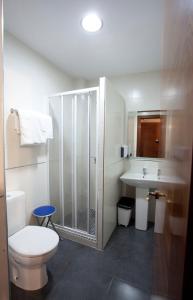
33,241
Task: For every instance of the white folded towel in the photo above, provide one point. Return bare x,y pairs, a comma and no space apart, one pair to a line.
35,127
46,125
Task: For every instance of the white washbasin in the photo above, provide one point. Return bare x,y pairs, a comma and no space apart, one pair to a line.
149,180
143,184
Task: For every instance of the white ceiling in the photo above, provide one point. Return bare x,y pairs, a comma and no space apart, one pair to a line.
129,42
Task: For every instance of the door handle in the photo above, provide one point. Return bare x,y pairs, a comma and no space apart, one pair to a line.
170,201
157,194
94,159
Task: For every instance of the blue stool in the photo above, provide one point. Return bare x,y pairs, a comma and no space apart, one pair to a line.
43,212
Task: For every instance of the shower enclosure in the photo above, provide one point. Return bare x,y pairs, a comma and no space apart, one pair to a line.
72,161
85,162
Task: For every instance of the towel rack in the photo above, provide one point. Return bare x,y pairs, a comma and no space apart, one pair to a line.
16,127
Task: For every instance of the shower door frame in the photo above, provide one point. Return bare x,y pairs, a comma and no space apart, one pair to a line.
75,233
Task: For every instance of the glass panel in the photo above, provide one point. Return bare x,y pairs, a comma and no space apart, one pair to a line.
68,119
82,161
55,108
92,196
72,161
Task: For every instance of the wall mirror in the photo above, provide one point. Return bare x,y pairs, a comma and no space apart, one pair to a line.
146,133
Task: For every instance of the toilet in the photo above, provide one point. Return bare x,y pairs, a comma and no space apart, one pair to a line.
30,247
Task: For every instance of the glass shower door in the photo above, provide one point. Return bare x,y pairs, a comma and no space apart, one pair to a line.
85,162
67,159
72,162
82,161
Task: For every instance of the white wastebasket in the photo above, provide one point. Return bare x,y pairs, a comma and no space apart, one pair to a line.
125,206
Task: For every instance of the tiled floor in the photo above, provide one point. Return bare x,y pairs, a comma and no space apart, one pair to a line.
122,271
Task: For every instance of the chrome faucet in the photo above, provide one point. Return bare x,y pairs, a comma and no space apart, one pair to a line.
144,172
158,173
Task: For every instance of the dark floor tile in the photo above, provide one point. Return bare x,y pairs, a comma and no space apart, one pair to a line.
78,272
80,286
120,290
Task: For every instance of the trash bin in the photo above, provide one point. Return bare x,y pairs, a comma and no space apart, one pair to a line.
125,206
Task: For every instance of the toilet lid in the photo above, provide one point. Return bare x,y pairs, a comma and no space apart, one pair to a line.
33,241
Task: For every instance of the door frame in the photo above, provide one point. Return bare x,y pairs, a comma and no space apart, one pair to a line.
4,274
187,289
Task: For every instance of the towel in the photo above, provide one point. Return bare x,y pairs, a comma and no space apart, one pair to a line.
35,127
46,126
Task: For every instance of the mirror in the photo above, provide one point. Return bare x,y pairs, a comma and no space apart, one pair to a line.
146,134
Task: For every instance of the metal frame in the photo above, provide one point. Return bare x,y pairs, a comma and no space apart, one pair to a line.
77,236
88,167
77,232
74,182
62,164
100,164
75,92
97,198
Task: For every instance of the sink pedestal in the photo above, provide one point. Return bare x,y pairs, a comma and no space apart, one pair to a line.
141,208
160,215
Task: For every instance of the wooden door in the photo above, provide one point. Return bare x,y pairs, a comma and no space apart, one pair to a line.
149,134
173,263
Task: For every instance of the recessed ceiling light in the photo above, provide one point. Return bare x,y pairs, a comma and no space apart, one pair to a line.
91,23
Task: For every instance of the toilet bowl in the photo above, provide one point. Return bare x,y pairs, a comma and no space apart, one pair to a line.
30,247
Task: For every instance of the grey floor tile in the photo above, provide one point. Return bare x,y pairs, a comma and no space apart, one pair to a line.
121,290
78,272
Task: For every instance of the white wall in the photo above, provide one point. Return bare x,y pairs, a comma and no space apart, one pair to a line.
113,163
29,79
141,91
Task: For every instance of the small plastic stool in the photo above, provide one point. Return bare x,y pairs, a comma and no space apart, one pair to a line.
43,212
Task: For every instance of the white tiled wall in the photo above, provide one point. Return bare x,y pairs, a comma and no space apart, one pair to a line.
113,163
141,91
136,165
112,193
33,180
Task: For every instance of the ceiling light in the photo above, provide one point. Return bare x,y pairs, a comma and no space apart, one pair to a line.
91,23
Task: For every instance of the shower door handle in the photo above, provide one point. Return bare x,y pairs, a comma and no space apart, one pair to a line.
93,158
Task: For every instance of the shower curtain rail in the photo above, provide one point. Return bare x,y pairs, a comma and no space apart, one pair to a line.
80,91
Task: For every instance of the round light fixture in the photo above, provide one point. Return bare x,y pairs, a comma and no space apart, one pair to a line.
91,23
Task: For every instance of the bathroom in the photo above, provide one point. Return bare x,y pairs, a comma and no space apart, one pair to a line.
85,125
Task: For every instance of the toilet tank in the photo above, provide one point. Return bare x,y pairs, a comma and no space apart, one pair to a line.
16,211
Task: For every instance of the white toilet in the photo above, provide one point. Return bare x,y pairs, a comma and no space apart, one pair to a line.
30,247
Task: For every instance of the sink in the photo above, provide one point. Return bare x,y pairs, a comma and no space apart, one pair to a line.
149,180
143,184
